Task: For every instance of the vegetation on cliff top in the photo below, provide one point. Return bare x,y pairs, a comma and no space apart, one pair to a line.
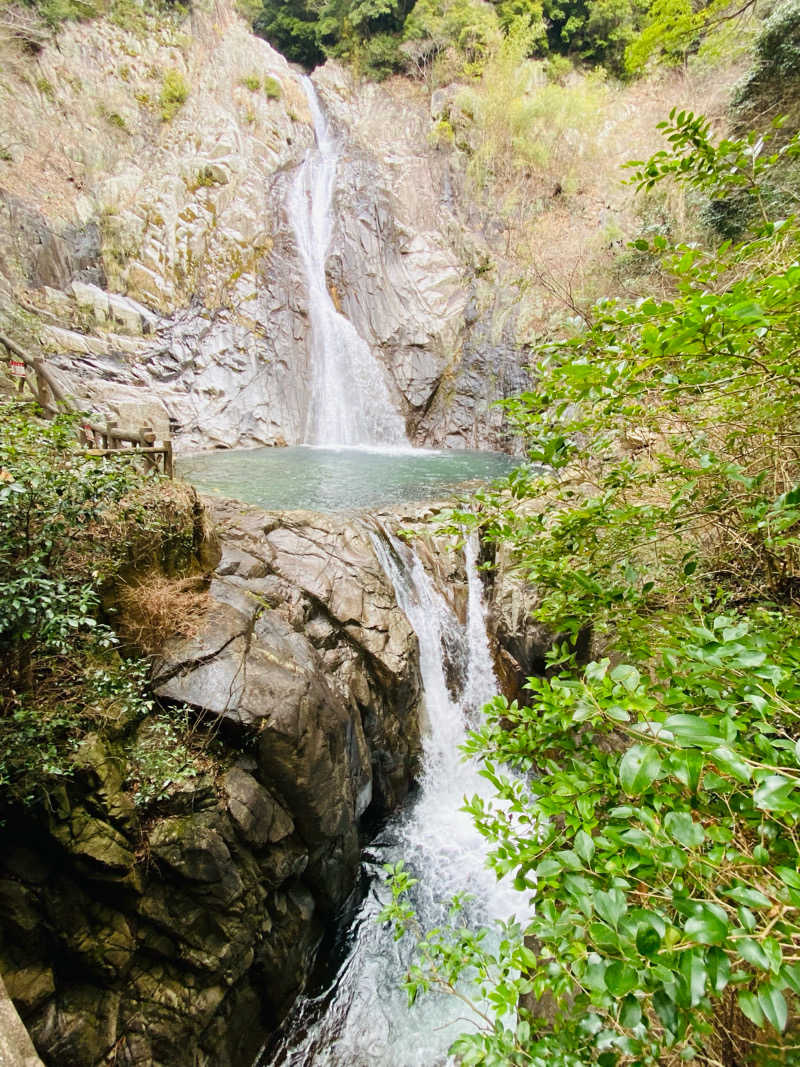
79,534
656,815
383,36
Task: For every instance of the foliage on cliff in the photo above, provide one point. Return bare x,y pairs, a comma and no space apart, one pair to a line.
71,524
657,800
383,36
27,19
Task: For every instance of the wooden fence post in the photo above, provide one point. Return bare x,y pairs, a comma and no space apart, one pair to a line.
148,439
169,465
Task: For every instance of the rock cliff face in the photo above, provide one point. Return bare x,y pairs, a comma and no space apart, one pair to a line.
305,650
159,261
177,934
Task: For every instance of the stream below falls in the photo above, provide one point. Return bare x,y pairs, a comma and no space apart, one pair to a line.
362,1018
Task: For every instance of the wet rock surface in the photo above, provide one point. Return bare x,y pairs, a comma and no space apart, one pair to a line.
178,933
304,643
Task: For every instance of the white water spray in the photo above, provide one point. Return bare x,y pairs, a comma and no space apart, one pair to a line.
350,404
364,1020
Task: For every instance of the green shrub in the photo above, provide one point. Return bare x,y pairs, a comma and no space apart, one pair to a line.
655,819
54,12
51,494
70,522
272,88
252,82
53,498
379,56
161,756
558,68
443,134
129,15
174,93
113,118
293,30
46,87
469,29
771,87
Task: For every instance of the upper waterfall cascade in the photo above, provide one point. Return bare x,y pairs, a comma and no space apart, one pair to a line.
350,403
363,1020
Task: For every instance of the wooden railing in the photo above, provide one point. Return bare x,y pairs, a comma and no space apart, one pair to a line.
101,439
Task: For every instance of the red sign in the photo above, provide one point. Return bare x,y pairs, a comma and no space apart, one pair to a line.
17,368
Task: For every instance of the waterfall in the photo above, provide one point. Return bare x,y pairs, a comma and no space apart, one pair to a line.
363,1019
350,402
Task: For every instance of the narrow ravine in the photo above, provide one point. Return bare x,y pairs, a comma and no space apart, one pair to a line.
350,403
363,1018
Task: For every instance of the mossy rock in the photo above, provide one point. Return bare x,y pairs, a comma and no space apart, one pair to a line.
94,840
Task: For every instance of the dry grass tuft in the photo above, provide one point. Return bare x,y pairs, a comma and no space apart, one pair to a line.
156,608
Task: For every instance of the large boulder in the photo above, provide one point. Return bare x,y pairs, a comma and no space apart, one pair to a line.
304,649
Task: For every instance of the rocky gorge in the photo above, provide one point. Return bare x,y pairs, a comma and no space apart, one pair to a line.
150,257
180,934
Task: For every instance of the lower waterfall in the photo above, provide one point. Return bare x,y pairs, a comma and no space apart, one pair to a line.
363,1018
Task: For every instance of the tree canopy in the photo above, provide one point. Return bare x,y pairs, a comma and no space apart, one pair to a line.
623,36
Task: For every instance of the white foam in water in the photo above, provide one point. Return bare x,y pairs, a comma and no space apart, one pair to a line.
364,1019
350,402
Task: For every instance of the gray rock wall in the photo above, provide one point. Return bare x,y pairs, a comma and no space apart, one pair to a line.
16,1047
187,219
176,935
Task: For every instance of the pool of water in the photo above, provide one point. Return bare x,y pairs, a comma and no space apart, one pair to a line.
338,479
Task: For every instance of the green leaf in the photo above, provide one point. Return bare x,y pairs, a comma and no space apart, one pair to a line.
681,827
666,1011
548,867
630,1013
692,729
627,676
693,969
648,941
731,763
752,952
620,979
748,896
708,925
791,972
774,793
772,1003
789,876
687,766
749,1004
584,846
719,969
774,953
639,768
611,906
569,859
